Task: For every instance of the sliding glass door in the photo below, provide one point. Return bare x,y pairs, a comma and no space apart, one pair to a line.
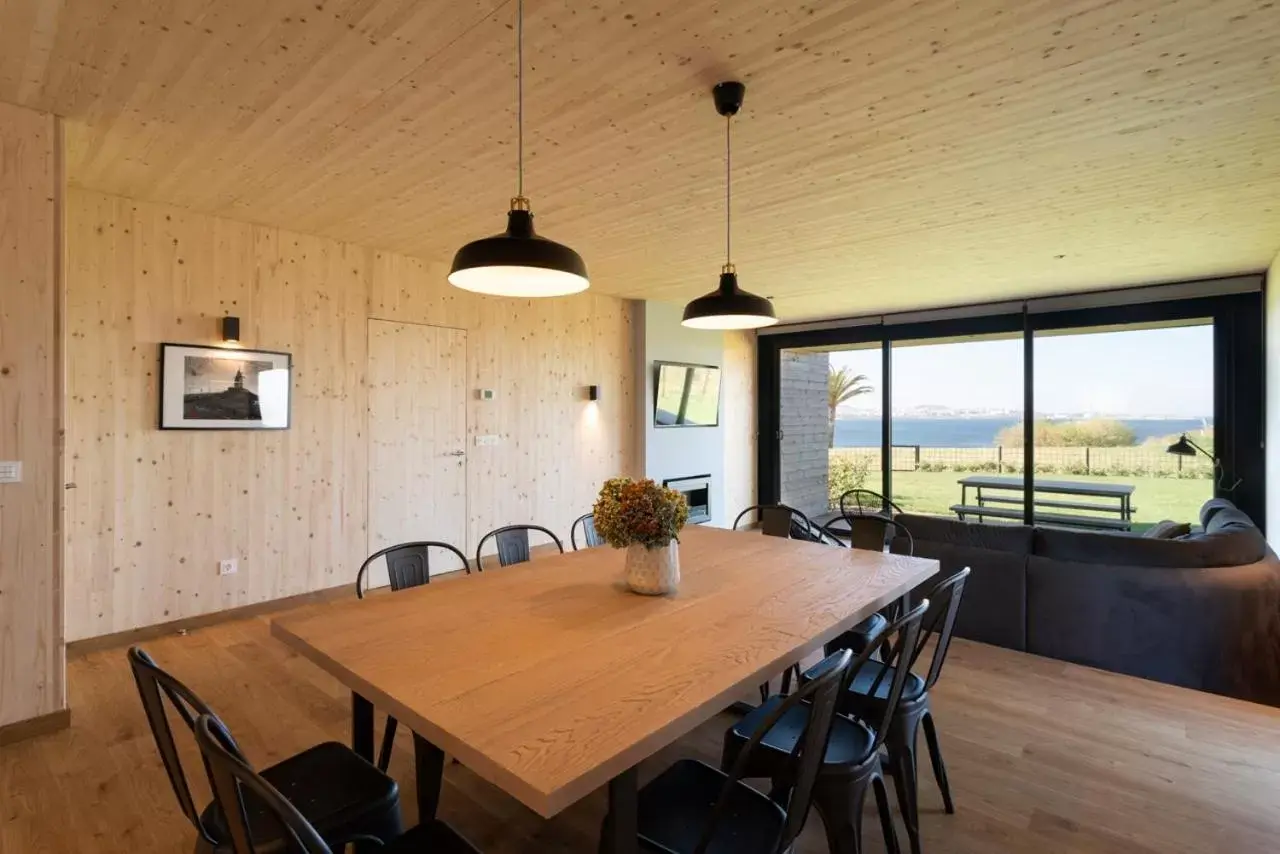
932,413
954,403
1109,404
830,415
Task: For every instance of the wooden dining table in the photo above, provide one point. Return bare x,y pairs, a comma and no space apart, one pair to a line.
551,680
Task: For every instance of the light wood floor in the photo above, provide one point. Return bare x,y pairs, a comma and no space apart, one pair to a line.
1043,756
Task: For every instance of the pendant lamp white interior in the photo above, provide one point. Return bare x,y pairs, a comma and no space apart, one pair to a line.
729,307
517,262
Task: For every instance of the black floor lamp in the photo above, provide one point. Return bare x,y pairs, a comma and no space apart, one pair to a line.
1184,447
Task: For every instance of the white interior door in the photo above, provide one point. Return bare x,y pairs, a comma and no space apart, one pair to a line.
417,438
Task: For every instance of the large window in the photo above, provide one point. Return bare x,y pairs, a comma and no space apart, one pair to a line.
830,415
1109,404
1112,387
953,403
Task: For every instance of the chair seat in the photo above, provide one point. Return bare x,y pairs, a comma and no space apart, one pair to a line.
850,742
676,806
912,688
435,837
860,635
334,789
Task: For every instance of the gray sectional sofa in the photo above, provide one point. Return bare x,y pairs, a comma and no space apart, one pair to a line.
1202,611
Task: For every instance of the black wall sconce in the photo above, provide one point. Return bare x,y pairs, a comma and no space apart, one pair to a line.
593,392
230,330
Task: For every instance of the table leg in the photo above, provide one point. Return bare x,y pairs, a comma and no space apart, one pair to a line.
362,727
429,761
620,834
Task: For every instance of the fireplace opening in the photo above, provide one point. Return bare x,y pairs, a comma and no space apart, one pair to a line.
697,491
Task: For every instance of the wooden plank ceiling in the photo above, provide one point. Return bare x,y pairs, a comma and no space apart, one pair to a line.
891,154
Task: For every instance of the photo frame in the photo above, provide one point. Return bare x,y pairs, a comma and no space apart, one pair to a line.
224,388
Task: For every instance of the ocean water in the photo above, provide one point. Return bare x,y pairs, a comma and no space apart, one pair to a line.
975,432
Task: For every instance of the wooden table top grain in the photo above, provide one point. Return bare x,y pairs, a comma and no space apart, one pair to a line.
549,678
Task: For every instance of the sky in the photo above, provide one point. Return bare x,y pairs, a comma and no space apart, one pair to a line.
1140,373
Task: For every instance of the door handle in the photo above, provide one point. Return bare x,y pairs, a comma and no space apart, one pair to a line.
456,454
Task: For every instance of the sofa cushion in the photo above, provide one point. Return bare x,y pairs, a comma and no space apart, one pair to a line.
1225,516
1167,530
1002,538
1211,508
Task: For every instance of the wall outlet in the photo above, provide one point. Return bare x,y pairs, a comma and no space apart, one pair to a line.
10,472
489,439
230,566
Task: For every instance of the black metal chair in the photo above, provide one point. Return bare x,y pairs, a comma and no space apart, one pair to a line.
863,502
408,565
513,544
865,519
851,762
590,536
781,520
870,532
864,697
252,803
692,808
341,795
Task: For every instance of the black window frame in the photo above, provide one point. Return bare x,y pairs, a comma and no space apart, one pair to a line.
1239,392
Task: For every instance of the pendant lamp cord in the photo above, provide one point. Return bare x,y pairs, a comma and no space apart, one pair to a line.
728,208
520,99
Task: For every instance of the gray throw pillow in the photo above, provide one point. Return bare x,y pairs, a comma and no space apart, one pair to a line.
1167,530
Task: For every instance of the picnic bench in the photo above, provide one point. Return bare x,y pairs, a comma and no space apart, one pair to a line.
993,492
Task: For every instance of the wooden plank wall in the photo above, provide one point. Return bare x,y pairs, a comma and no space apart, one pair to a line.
152,512
31,655
738,393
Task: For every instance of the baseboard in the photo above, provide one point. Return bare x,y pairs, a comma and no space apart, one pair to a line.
186,624
32,727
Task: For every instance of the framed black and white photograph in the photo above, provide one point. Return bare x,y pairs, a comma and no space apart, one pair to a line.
217,388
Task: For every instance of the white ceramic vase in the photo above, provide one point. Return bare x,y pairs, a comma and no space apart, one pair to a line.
653,572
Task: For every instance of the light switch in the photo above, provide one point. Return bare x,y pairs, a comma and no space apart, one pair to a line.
10,472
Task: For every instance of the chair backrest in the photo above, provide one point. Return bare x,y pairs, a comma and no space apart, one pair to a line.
590,536
231,776
871,532
822,691
513,543
945,596
154,687
781,520
408,564
862,502
897,644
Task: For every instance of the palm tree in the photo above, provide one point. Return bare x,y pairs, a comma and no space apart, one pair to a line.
842,385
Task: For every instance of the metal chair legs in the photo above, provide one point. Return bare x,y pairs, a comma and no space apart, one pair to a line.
839,800
935,757
388,742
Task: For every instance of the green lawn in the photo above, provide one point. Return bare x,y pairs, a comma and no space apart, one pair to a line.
1154,499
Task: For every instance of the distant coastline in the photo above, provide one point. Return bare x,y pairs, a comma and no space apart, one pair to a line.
979,432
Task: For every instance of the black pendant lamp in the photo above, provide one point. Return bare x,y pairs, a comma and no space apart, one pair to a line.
519,263
729,307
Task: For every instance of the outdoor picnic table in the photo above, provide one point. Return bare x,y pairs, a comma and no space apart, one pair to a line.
1118,501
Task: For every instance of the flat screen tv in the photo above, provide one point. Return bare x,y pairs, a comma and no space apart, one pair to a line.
686,395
